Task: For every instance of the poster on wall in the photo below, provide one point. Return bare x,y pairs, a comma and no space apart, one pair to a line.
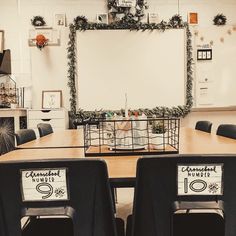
193,18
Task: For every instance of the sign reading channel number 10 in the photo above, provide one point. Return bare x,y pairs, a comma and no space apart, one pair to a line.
203,179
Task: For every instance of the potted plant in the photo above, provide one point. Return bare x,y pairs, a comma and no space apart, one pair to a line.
157,137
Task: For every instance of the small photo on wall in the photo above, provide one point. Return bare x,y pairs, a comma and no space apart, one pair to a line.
102,18
193,18
153,18
60,20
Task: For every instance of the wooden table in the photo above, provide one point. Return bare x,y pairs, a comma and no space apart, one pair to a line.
118,166
191,142
70,138
199,142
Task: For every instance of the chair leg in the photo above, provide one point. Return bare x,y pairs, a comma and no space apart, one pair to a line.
113,195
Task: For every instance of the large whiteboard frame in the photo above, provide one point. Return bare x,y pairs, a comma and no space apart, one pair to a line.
95,46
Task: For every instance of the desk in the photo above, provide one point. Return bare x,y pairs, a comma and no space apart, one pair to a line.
199,142
118,166
191,142
70,138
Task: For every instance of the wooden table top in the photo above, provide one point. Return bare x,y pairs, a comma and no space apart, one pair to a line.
191,142
62,139
199,142
118,166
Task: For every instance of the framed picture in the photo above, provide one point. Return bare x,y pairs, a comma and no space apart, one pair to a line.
199,54
209,54
153,18
51,99
60,20
102,18
193,18
1,40
204,54
53,36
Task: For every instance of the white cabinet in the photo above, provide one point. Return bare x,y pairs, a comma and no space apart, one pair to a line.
57,118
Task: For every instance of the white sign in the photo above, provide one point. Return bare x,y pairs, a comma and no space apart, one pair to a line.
44,185
126,3
200,179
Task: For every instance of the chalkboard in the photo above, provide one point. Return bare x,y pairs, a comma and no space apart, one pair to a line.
147,66
216,78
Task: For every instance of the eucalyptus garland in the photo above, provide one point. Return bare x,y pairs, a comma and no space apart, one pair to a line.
128,22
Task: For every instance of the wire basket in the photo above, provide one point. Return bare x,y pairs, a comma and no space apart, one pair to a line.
134,136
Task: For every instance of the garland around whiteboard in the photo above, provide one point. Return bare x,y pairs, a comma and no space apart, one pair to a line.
128,22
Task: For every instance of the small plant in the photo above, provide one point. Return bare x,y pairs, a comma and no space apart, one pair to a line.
158,127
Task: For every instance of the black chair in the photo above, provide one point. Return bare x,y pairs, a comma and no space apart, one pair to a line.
227,130
156,202
24,136
36,189
204,126
44,129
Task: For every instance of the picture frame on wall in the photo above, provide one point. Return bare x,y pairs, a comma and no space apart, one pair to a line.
60,20
1,40
193,18
204,54
102,18
153,18
51,99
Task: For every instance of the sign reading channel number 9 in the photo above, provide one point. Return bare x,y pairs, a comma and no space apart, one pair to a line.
46,189
197,185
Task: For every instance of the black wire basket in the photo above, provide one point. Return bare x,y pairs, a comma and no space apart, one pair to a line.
133,136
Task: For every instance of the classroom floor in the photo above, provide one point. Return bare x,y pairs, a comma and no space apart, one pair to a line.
124,204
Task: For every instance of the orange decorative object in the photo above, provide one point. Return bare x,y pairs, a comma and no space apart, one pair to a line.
41,41
193,18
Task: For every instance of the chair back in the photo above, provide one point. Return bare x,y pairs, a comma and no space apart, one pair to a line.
24,136
44,129
156,195
204,125
227,130
78,189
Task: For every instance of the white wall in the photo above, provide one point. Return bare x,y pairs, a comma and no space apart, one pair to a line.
47,69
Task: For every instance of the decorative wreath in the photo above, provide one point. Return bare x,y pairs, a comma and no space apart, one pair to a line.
80,21
38,21
220,19
176,21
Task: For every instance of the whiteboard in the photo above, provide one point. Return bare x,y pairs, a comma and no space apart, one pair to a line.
216,79
147,66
